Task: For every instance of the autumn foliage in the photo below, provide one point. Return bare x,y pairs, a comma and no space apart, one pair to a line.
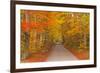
41,29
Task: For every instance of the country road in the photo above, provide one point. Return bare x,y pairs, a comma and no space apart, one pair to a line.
59,53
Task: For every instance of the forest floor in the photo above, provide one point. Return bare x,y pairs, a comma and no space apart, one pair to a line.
80,54
59,53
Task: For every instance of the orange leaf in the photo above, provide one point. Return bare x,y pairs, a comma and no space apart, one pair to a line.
25,26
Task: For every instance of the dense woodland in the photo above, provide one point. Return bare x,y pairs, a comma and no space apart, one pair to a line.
40,30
